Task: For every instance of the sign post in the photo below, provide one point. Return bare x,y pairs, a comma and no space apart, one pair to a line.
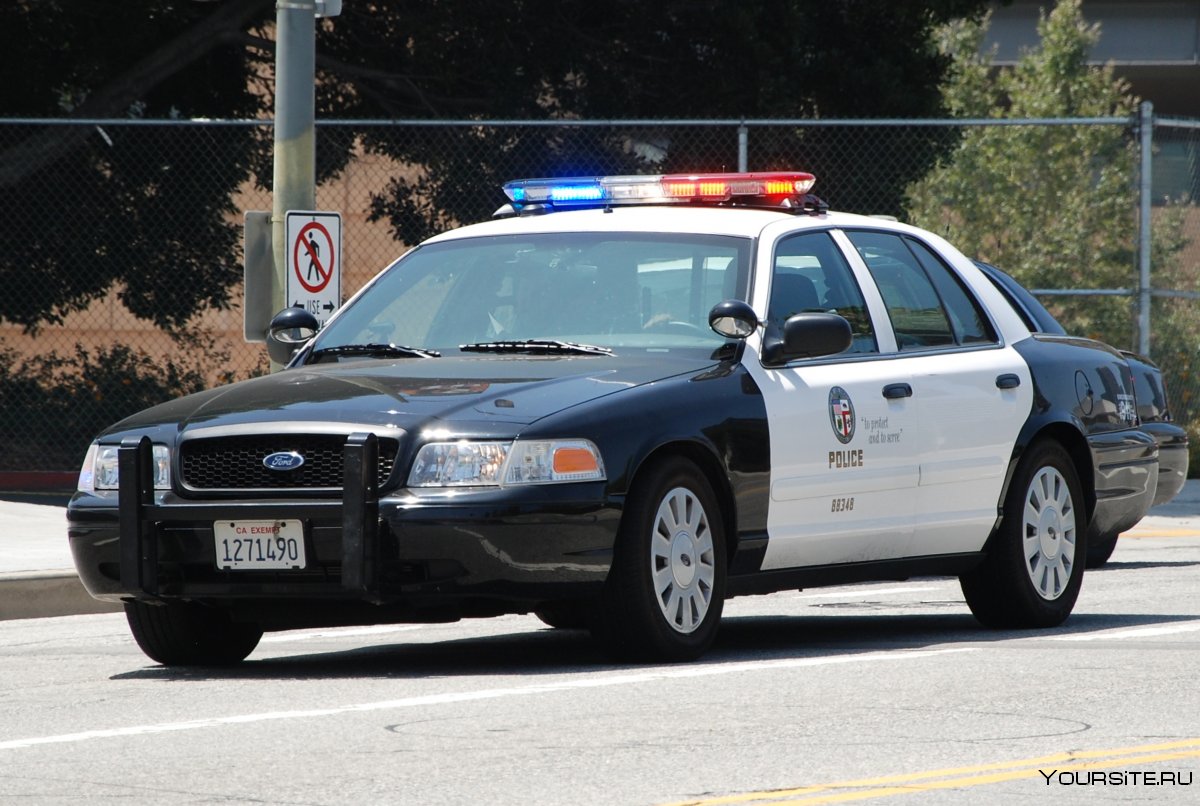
313,255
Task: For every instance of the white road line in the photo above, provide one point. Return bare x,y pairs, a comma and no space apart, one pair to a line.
862,593
587,682
349,632
1129,632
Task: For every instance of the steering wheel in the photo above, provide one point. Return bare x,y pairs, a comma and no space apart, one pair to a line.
677,326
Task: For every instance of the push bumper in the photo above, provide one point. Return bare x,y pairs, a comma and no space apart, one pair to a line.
489,550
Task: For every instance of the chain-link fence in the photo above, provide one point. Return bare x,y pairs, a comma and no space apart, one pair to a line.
120,271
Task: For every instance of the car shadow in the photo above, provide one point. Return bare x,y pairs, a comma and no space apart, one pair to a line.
879,632
547,651
1117,565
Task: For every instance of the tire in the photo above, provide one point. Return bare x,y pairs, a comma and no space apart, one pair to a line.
664,595
186,634
1034,566
1100,549
563,616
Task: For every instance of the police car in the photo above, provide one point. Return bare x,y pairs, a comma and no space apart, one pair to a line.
621,402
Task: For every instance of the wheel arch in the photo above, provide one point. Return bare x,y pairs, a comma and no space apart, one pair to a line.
1073,442
706,460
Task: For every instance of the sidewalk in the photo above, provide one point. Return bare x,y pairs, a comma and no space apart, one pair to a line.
37,575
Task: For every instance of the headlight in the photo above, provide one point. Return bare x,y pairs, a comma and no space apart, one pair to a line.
100,471
479,464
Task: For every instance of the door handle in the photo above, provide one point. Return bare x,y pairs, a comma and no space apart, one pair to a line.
895,391
1007,381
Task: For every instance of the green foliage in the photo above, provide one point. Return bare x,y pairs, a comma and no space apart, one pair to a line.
1056,206
1053,205
51,406
621,59
96,207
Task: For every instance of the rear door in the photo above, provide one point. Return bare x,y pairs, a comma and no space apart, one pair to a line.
974,393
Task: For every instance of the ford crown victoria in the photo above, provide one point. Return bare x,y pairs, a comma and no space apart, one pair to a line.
616,405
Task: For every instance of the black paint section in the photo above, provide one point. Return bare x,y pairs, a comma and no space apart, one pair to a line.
435,554
1078,389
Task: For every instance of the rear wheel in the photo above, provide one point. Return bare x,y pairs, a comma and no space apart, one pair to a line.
1100,549
665,592
563,615
188,634
1034,566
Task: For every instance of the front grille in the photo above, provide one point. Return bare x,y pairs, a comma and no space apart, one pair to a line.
236,462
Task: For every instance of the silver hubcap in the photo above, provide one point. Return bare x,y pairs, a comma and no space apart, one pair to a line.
1049,523
682,560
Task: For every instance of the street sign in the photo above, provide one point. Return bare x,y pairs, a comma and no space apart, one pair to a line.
313,253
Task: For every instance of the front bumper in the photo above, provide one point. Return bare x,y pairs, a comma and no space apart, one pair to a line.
399,557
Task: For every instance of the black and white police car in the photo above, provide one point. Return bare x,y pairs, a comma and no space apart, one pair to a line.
616,405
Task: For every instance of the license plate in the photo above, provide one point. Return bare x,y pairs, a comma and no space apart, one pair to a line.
259,545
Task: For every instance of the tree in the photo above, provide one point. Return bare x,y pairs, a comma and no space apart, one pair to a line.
103,207
1053,205
1056,206
87,207
622,59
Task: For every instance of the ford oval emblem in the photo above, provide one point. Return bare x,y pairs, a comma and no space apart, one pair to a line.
283,460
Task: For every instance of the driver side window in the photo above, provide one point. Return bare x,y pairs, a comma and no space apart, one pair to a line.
812,275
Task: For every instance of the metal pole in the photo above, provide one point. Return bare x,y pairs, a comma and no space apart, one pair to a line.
295,144
743,148
1146,130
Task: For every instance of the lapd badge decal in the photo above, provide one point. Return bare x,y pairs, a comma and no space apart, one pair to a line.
841,414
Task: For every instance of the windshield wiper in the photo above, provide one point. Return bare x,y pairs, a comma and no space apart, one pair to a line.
535,347
384,350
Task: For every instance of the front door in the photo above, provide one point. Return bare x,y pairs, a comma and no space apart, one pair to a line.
843,429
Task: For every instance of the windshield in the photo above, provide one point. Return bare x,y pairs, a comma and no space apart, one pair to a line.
623,291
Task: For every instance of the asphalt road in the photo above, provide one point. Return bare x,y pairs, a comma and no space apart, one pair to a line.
881,692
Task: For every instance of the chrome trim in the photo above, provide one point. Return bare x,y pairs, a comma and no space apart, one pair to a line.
287,427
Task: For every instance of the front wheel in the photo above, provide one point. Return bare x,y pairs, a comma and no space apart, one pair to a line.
1034,566
188,634
666,589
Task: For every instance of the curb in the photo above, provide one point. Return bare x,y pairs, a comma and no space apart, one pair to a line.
59,481
46,594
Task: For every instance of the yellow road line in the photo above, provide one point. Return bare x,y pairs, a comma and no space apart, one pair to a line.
998,772
1162,533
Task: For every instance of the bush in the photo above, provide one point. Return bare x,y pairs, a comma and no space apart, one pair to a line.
52,406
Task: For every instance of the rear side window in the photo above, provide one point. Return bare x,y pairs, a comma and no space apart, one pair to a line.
970,325
928,306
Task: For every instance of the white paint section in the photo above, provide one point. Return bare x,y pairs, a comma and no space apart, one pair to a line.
968,429
1131,633
450,698
833,501
826,484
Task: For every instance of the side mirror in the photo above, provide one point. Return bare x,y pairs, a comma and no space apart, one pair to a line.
807,335
288,330
733,319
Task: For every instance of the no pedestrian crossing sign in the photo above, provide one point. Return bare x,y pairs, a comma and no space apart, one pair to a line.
313,253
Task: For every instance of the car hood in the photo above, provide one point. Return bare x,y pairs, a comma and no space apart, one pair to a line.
493,393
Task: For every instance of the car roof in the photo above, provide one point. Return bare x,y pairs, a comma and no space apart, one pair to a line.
743,222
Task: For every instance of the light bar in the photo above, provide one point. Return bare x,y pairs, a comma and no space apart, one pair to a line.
771,188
